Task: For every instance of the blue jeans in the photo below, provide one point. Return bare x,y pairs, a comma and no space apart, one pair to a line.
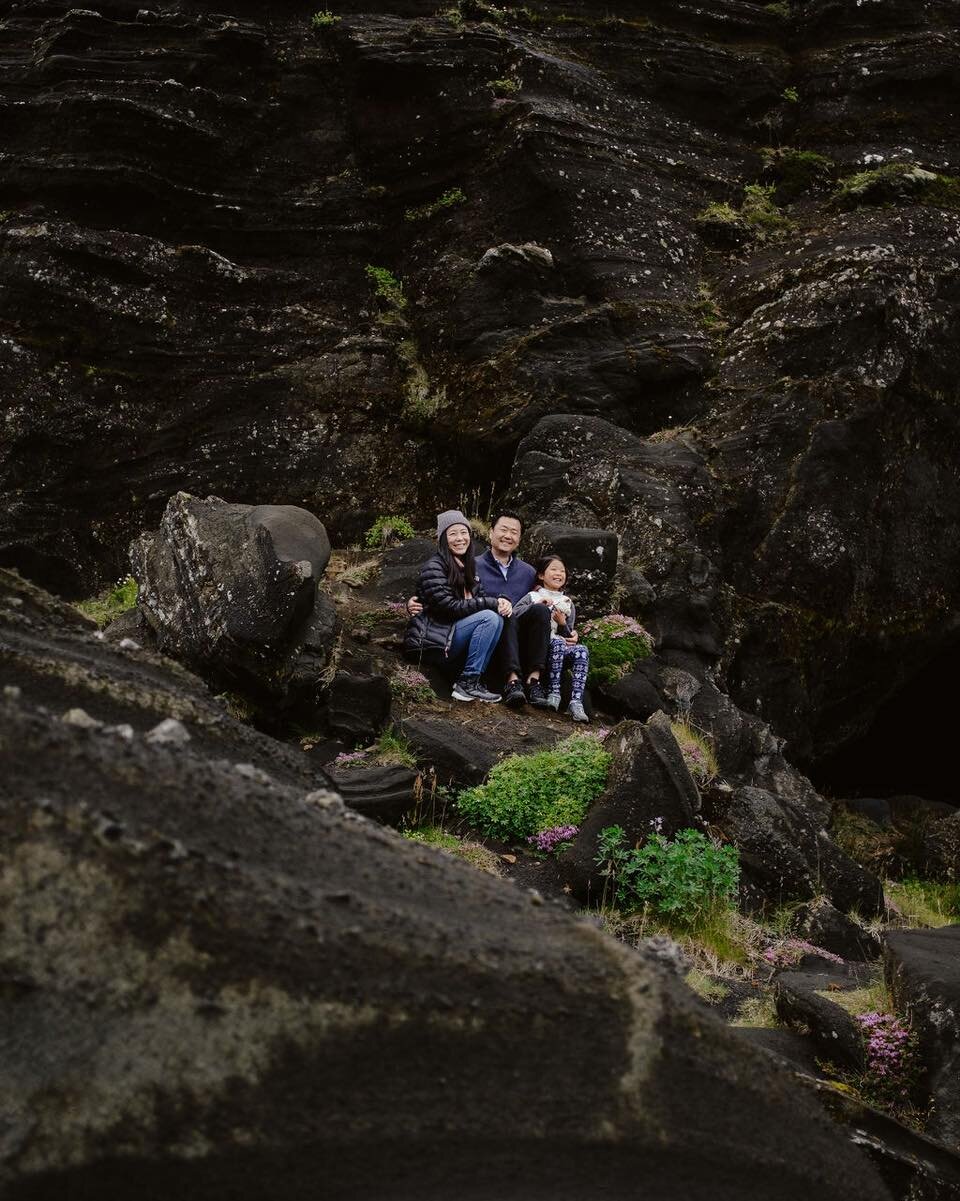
476,636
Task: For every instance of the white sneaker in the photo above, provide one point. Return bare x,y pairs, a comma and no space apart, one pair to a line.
553,700
577,711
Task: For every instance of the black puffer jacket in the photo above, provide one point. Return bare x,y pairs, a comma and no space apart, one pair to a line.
431,630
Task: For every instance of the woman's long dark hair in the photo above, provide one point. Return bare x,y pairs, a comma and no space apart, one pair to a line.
461,579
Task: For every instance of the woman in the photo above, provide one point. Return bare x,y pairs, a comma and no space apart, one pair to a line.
459,621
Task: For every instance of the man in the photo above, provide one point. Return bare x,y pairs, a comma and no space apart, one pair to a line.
525,641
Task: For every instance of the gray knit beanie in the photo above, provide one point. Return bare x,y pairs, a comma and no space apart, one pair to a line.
446,520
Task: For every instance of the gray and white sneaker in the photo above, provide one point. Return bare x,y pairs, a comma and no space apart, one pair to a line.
577,711
470,688
553,700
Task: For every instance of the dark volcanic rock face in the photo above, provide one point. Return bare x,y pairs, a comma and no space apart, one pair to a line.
191,201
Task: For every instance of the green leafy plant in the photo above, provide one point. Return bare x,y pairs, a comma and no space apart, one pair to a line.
791,94
504,87
778,9
387,287
685,880
759,209
615,643
324,19
107,606
697,750
525,794
449,199
386,531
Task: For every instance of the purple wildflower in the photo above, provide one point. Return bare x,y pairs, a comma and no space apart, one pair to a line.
345,758
548,840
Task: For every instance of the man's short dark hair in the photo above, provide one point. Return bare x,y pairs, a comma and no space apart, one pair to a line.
506,513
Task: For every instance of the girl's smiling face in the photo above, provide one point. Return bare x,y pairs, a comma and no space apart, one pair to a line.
554,575
458,539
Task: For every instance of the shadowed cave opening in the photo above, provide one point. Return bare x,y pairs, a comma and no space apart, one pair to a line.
908,748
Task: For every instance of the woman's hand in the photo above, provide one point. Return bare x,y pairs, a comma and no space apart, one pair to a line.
504,608
572,638
414,607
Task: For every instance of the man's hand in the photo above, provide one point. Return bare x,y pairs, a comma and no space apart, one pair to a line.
414,607
504,608
572,638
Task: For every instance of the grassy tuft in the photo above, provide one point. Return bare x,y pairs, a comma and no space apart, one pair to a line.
393,749
474,853
107,606
925,902
697,750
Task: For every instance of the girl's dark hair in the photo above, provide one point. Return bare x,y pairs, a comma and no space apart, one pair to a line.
461,579
544,562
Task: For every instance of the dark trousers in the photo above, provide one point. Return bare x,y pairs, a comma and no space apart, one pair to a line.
524,644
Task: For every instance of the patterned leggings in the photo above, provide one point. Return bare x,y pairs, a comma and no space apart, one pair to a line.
580,656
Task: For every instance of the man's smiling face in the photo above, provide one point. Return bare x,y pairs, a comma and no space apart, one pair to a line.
505,535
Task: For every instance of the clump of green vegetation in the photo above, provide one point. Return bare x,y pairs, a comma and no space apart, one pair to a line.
324,19
708,989
724,943
474,853
687,881
387,287
778,9
697,750
107,606
449,199
925,902
796,171
360,573
391,748
791,95
388,531
758,1011
504,87
719,211
615,642
706,308
525,794
759,210
898,181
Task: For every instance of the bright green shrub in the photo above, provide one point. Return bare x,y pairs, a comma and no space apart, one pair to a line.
685,880
324,19
386,530
386,286
527,793
615,642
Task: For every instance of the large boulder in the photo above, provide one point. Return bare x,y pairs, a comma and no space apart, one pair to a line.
231,590
649,790
787,855
215,985
922,968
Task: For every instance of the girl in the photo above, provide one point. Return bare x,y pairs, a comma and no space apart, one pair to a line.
459,621
564,644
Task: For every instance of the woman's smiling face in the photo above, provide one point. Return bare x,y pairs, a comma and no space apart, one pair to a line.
554,575
458,538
